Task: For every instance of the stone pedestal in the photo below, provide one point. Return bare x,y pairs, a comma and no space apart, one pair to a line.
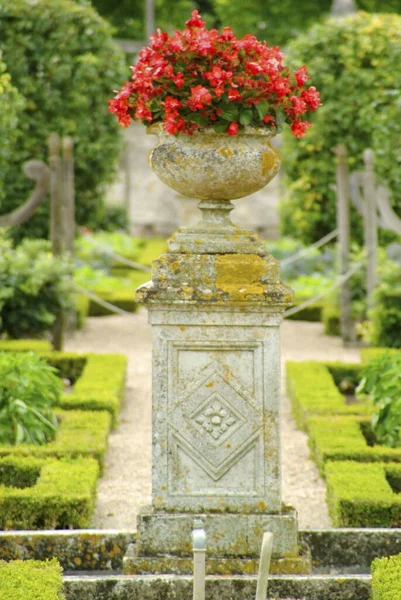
215,305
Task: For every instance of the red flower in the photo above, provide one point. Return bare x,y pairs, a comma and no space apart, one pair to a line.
195,20
299,105
301,76
233,129
200,97
311,97
299,128
234,94
268,119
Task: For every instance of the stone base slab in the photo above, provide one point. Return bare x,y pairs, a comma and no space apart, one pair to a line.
228,534
169,564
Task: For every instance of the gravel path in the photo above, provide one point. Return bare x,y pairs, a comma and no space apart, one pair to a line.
126,485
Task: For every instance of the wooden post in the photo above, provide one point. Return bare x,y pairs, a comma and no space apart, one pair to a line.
56,222
69,194
149,18
343,223
370,224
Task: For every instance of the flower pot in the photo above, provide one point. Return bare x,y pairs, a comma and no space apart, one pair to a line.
215,166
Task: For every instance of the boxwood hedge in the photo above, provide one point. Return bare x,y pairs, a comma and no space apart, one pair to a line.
386,578
61,57
30,580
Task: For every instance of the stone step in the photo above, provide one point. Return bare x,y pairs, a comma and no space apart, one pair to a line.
167,587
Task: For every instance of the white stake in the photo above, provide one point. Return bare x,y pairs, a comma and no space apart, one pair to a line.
199,550
264,566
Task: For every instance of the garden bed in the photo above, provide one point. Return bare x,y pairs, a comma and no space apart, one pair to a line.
40,493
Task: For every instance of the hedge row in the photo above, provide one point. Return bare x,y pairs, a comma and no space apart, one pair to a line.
386,578
31,580
80,433
337,438
364,494
25,346
101,385
368,354
312,390
52,493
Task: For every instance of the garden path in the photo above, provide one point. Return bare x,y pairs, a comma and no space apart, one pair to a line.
126,485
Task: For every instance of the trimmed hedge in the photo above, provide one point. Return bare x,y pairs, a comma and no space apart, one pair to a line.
312,390
368,354
25,346
342,438
386,578
124,299
101,385
360,495
311,313
82,304
331,319
31,580
80,433
62,497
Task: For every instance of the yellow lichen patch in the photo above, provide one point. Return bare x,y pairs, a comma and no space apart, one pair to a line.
227,152
269,163
237,269
209,385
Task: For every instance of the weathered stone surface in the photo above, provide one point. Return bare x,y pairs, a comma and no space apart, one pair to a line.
75,550
224,588
228,535
215,166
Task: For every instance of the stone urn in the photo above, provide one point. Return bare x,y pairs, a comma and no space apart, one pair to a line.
215,166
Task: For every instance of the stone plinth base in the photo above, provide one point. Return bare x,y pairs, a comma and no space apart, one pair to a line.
164,543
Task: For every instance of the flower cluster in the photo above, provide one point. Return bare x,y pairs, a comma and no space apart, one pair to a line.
200,78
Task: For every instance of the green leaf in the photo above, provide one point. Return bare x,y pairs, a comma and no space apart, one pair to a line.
246,116
220,126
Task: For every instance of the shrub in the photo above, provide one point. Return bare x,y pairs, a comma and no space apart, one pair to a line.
34,287
360,495
386,578
62,497
312,391
11,103
30,580
385,316
381,379
29,388
61,57
351,61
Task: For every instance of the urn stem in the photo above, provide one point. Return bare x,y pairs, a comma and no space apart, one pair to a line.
216,214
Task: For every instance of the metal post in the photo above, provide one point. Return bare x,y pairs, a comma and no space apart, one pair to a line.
370,223
343,224
69,194
264,566
199,550
149,18
56,222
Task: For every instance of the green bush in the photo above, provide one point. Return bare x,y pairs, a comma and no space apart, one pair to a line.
385,316
80,433
386,578
29,389
368,354
351,61
360,495
62,497
381,380
34,287
11,103
62,59
25,346
31,580
312,391
331,319
337,438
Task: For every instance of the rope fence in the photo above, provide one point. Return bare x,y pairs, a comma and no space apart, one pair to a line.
324,240
118,257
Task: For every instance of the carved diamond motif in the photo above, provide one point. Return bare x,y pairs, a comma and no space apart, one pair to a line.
216,428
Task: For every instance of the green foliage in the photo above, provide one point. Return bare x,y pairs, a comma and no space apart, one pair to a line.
385,316
34,287
360,495
62,59
351,61
314,261
381,379
29,388
63,496
275,22
11,103
31,580
368,354
80,433
346,438
312,390
386,578
25,346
